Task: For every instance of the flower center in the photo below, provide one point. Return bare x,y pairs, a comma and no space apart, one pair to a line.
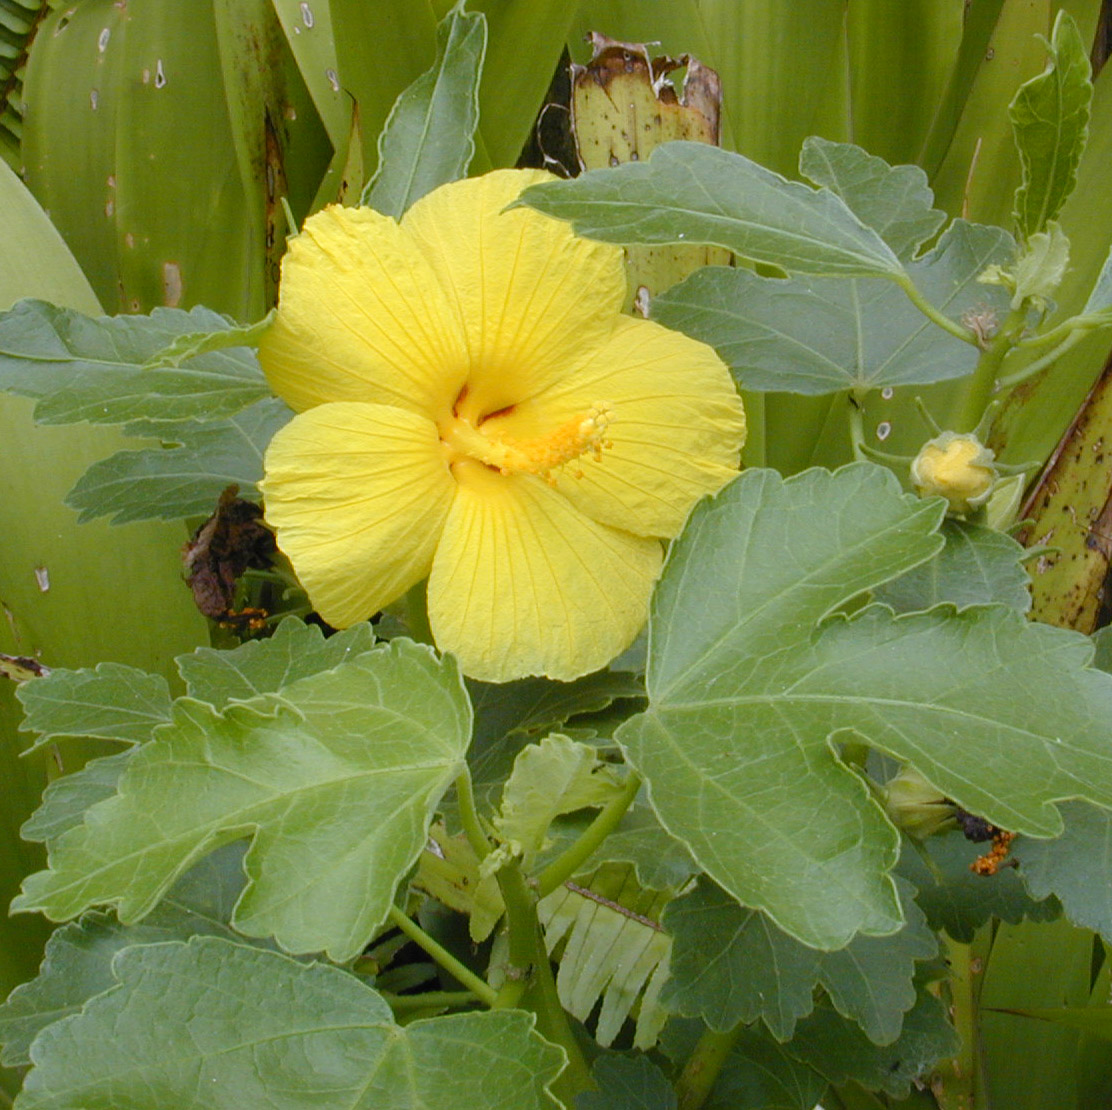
584,434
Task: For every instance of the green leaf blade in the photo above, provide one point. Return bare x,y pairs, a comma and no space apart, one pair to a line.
196,1024
429,136
1050,119
694,193
337,776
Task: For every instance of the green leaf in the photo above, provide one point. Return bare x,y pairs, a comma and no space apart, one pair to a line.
978,566
1074,867
662,861
82,369
337,776
627,1083
956,899
895,201
78,962
295,651
66,799
1040,267
818,335
730,964
694,193
839,1050
1100,299
428,139
551,778
1050,118
613,948
197,1025
110,701
182,480
1003,716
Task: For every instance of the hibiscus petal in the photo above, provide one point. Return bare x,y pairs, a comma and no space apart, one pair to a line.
535,298
524,584
358,495
362,317
678,428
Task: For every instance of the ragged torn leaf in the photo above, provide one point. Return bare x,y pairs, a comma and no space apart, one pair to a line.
20,668
231,540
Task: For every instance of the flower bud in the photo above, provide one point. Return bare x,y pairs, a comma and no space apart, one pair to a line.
916,806
957,467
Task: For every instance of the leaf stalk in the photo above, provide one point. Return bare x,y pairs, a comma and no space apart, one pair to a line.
704,1065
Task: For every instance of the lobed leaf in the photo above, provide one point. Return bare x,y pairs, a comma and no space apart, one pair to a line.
978,566
627,1083
749,694
730,964
695,193
817,335
183,480
78,961
336,777
1050,119
295,651
110,701
1075,867
85,369
895,201
197,1024
429,137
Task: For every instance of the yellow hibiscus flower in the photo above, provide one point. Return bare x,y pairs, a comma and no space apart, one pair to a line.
473,407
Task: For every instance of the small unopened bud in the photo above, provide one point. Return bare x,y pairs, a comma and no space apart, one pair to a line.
916,806
955,466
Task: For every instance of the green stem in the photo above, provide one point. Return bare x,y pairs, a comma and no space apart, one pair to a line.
404,1003
932,313
958,1083
979,392
1072,326
417,614
565,865
483,991
857,425
469,816
704,1065
529,982
1040,364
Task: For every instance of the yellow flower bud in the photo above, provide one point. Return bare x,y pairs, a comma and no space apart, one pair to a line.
916,806
957,467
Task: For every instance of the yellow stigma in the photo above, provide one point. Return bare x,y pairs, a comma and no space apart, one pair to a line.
584,434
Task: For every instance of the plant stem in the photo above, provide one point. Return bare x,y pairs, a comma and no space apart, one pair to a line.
565,865
401,1003
958,1084
979,392
529,981
932,313
483,991
1041,364
417,613
704,1065
469,816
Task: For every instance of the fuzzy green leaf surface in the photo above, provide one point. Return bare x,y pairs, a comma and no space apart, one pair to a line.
627,1083
1076,867
429,136
816,335
336,776
978,566
294,651
186,477
732,964
85,369
695,193
956,899
196,1024
838,1049
750,688
1050,118
895,201
110,701
66,799
78,961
